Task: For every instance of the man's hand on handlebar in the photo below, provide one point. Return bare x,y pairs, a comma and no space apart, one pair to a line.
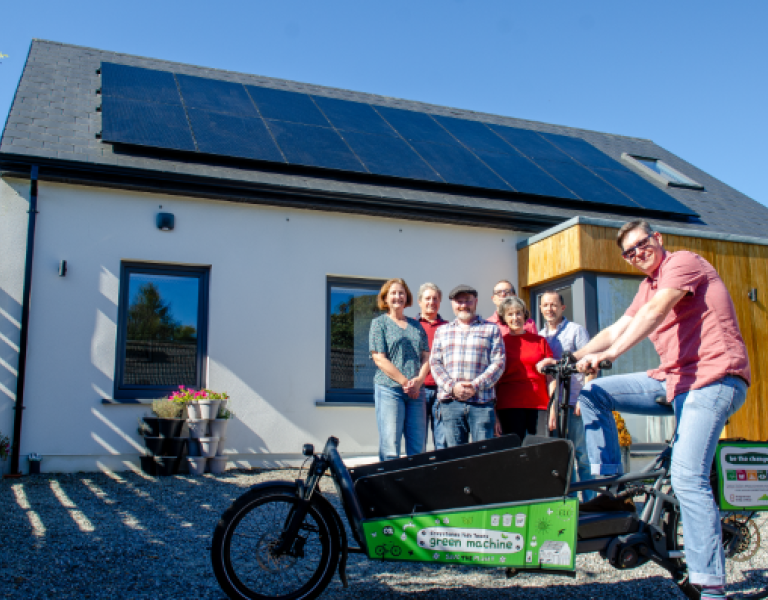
591,362
543,363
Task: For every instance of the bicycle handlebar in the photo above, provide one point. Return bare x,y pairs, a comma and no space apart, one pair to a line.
566,366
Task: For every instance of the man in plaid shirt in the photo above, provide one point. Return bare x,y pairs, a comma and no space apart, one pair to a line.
467,360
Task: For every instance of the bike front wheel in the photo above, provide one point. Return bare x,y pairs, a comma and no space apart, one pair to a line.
243,552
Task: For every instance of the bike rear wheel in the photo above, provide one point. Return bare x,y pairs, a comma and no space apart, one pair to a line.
245,539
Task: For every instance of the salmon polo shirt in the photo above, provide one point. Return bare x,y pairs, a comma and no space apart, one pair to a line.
699,341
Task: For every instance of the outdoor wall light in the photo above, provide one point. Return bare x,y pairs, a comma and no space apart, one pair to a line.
62,268
165,221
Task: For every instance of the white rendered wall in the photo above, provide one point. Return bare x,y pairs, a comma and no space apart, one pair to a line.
267,322
14,203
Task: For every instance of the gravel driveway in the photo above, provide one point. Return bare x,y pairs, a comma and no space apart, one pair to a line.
126,535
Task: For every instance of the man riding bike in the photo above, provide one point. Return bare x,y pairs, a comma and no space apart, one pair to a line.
685,309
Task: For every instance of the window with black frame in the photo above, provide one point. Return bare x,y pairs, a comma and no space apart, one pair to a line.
162,329
352,305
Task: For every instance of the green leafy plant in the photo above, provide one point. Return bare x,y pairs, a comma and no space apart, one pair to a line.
167,408
225,413
5,446
189,395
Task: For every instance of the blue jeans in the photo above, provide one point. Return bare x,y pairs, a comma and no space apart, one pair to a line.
581,466
461,419
396,415
433,419
701,415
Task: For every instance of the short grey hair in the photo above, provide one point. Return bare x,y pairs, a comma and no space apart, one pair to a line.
429,286
511,302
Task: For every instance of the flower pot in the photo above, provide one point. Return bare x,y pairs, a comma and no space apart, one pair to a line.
196,464
193,410
219,427
197,428
208,408
155,445
193,447
208,446
220,447
167,465
217,464
148,465
169,428
152,426
174,446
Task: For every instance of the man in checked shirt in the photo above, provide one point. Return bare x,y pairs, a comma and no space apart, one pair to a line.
467,360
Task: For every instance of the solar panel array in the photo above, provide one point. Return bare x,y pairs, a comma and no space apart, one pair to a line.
160,109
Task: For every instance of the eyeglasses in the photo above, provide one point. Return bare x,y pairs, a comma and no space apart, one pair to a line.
630,253
503,293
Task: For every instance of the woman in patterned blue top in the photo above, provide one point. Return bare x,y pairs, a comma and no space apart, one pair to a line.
400,349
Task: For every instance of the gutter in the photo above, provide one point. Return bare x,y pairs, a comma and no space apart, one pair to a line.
19,408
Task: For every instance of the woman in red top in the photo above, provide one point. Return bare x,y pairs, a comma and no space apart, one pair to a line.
521,394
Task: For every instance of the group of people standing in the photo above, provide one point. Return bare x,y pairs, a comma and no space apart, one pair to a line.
470,377
682,305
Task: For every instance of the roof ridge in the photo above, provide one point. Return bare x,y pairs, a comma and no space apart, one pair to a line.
481,116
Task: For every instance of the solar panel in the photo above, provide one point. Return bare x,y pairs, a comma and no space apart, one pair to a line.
525,176
585,184
416,126
314,146
353,116
644,193
216,96
147,85
529,143
385,155
145,124
155,108
583,151
286,106
228,135
458,165
475,135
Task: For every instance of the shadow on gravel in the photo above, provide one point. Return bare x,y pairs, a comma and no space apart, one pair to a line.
126,535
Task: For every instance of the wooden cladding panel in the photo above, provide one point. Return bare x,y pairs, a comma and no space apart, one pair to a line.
741,266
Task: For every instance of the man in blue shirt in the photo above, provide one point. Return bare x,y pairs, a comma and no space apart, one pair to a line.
566,336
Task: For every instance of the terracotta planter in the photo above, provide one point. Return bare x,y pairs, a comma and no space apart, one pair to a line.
197,464
217,465
219,427
208,446
198,428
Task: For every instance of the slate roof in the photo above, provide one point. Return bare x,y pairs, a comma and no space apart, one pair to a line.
53,123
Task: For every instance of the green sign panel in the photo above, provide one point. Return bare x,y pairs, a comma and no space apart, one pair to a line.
531,535
742,470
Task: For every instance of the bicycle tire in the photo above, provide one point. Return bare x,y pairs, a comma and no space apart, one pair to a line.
250,528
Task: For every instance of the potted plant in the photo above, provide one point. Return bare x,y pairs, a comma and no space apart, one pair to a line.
201,404
625,440
219,424
5,452
169,417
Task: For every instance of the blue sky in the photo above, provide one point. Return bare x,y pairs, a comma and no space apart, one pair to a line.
691,76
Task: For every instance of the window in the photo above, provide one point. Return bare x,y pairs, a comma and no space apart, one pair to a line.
162,329
661,171
352,305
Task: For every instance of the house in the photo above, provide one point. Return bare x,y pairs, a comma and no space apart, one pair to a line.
254,220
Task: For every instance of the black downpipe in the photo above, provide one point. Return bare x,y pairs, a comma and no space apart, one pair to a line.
19,408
